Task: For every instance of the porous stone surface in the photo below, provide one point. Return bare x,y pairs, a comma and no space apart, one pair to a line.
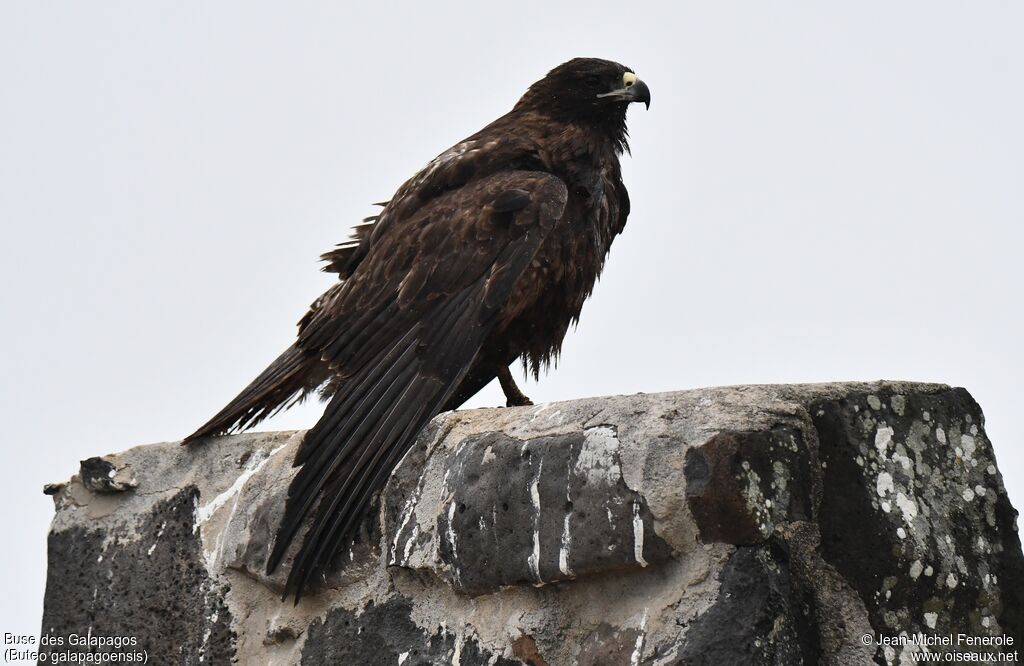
734,525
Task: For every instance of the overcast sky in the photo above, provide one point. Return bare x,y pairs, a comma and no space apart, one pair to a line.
819,193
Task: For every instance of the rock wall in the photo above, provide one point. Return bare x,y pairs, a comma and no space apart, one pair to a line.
750,524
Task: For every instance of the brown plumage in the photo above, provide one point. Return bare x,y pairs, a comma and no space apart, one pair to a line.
482,258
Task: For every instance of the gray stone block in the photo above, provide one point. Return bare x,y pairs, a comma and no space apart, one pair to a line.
750,524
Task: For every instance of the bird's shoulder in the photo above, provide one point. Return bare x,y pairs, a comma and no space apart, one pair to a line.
513,142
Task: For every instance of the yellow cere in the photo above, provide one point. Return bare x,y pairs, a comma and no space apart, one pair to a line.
628,79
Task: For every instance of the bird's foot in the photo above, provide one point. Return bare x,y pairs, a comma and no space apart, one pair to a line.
518,401
513,396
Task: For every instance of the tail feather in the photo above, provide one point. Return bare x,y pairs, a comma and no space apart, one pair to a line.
288,380
328,537
317,471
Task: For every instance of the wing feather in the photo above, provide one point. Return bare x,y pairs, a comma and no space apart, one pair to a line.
318,469
403,330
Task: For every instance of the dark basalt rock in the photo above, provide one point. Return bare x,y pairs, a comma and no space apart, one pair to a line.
540,510
151,586
761,616
940,553
101,476
741,484
386,635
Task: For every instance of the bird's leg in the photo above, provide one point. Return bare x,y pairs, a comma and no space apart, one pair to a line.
513,396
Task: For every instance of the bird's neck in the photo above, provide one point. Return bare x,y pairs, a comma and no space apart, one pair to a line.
579,149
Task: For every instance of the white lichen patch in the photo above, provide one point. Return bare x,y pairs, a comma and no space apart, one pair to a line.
780,479
899,404
780,488
883,484
968,444
883,437
901,458
907,506
874,403
755,500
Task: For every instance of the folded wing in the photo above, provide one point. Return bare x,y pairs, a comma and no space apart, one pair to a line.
402,331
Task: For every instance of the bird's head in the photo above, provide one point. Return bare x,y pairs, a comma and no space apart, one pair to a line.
586,89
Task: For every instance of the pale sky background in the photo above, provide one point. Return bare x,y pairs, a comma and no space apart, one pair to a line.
820,192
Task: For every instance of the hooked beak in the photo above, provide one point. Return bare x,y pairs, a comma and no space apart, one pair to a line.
637,92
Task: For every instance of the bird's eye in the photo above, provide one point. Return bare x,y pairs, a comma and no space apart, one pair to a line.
628,79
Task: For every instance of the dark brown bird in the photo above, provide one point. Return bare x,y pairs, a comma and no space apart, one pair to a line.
482,258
